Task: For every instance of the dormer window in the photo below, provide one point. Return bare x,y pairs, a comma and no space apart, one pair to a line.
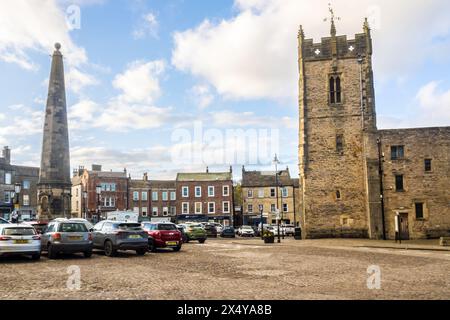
335,90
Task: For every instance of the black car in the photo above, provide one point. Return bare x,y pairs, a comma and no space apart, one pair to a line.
228,232
211,231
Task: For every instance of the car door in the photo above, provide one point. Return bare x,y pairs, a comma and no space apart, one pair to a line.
97,235
45,237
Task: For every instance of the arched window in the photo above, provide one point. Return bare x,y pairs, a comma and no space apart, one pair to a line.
335,90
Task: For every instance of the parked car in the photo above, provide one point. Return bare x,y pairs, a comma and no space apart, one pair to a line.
88,224
195,231
19,239
112,236
4,221
274,230
219,227
66,236
38,226
163,235
182,229
211,231
228,232
246,231
289,229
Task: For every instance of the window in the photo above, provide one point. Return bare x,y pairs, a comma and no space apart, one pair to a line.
211,191
250,208
165,211
427,165
165,196
26,200
338,194
284,192
226,191
397,152
144,211
226,206
399,182
335,90
272,192
135,196
155,196
261,193
198,192
7,196
173,195
211,207
340,143
419,210
109,202
173,211
185,208
144,196
273,208
155,211
108,186
7,178
185,192
285,207
261,207
250,193
26,185
198,208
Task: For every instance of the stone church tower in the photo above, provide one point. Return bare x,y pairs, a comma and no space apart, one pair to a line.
338,151
54,187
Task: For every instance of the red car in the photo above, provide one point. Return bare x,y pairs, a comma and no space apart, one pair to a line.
163,235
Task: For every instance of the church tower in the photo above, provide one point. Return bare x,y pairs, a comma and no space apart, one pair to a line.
338,154
54,186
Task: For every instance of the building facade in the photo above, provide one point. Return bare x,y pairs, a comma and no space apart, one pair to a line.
205,197
266,193
163,200
27,178
345,186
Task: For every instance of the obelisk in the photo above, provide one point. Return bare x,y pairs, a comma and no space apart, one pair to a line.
54,186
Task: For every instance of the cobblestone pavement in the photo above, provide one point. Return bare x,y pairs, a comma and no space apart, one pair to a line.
236,269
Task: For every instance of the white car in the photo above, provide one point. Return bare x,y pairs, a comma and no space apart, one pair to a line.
4,221
274,230
246,231
289,229
19,239
219,227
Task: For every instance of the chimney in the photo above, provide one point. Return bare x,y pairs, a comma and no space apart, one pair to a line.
231,169
207,169
7,154
80,170
75,173
96,167
145,176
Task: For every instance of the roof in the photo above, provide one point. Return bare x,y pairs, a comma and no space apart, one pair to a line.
109,174
205,176
139,184
266,178
167,184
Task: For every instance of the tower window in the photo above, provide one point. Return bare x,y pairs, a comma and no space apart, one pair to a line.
340,143
427,165
397,152
335,90
338,194
419,210
399,182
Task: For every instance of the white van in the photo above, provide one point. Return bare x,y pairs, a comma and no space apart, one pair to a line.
123,216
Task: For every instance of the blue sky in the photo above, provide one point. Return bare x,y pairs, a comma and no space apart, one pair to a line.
145,77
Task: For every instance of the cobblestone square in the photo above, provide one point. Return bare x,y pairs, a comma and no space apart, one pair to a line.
238,269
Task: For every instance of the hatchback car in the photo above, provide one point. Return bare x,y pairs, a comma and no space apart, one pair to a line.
195,231
163,235
65,236
19,239
112,236
246,231
228,232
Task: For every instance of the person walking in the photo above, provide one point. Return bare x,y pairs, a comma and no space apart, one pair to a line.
15,217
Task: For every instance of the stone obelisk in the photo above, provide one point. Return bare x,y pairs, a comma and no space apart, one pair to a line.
54,187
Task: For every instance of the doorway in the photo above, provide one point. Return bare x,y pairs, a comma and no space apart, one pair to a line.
404,226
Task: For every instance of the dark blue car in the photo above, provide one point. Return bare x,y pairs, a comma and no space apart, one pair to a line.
228,232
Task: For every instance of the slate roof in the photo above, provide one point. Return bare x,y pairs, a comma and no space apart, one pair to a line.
163,184
266,178
205,176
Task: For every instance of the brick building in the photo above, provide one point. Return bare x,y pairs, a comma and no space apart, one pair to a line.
206,196
260,191
139,195
347,188
27,177
163,200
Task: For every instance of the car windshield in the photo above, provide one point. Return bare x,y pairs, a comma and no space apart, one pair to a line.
72,227
195,226
19,232
166,226
127,226
229,229
247,227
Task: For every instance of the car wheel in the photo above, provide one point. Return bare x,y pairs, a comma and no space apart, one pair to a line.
151,247
87,254
202,241
177,248
109,249
52,254
36,256
141,252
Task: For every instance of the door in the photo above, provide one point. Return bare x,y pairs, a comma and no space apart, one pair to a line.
404,226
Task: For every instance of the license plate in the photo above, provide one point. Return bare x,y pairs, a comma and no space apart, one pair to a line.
75,238
134,236
171,243
21,241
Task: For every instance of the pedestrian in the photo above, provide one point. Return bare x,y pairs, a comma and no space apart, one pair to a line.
15,217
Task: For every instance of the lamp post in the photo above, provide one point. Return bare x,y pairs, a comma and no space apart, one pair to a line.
282,209
85,195
17,189
261,209
276,162
98,190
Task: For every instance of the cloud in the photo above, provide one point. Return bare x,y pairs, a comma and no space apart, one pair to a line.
250,119
148,25
76,80
202,96
253,55
23,122
434,104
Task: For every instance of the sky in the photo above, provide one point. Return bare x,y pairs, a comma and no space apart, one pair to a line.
166,86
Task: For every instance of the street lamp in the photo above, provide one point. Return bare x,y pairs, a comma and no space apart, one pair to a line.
17,189
98,190
85,195
261,209
276,162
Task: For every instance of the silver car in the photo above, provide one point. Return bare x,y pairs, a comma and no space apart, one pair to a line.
66,236
19,239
